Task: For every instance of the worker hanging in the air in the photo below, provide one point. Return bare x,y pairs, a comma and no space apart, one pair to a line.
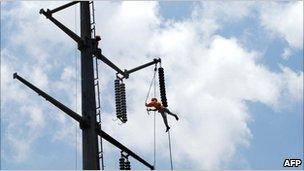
161,109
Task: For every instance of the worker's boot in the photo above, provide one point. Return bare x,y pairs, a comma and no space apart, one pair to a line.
167,128
176,117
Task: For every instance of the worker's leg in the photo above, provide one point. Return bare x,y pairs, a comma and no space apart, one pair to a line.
165,120
170,113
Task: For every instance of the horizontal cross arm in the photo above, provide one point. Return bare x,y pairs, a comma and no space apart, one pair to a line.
100,56
111,140
48,14
155,61
56,103
64,6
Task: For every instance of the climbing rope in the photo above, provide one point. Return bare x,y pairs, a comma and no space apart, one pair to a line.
151,83
164,99
171,162
154,118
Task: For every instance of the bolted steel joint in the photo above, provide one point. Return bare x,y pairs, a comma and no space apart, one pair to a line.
46,13
84,124
94,43
15,75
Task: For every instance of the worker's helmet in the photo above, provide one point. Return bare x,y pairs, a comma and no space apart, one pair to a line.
154,99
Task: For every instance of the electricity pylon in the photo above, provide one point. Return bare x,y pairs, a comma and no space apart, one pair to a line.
88,47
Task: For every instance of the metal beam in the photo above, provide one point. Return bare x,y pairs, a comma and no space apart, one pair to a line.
48,14
78,118
155,61
108,62
47,97
111,140
64,6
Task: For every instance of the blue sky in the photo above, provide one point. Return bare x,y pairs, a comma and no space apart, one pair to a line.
242,110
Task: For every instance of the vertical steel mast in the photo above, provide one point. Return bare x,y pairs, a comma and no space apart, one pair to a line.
89,136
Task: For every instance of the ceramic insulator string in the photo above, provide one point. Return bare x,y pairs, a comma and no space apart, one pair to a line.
162,87
124,163
117,98
123,103
120,100
127,165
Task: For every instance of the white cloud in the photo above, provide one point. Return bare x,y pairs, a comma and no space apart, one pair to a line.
294,83
35,51
201,76
23,132
287,53
286,20
68,74
209,79
225,12
131,23
35,113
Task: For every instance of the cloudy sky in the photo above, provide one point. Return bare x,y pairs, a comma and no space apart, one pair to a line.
234,74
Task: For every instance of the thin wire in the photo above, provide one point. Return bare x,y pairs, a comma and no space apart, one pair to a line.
151,83
171,162
154,119
76,90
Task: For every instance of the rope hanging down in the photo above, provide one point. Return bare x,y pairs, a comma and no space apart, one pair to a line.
151,83
164,100
170,150
154,119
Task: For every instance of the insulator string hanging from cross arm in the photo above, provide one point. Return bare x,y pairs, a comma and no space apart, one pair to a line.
121,163
120,100
117,98
162,87
124,163
123,103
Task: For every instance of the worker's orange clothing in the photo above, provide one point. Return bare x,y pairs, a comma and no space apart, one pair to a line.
162,110
156,105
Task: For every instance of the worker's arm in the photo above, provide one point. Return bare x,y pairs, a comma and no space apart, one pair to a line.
149,105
